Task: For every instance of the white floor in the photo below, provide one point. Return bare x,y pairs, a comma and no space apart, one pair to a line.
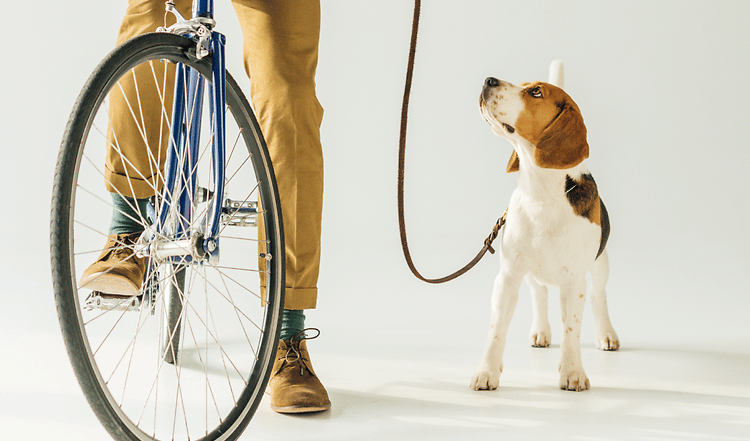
402,374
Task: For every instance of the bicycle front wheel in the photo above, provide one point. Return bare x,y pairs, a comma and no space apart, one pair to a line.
189,355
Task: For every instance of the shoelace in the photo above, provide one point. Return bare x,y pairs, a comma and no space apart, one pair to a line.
294,349
123,246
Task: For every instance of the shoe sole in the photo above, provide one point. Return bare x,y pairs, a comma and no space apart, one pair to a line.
109,284
301,409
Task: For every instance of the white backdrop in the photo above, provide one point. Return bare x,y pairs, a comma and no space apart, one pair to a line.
663,87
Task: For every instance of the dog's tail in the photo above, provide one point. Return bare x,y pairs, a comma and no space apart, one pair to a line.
556,74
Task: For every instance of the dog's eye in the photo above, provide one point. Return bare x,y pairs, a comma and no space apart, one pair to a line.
536,92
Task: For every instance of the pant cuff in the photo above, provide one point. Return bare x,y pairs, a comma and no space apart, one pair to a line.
128,186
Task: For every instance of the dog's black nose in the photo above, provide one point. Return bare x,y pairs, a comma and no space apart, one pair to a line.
491,82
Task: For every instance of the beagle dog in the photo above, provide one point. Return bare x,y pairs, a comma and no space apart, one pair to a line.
556,229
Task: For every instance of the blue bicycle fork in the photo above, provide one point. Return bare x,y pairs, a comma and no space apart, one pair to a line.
183,153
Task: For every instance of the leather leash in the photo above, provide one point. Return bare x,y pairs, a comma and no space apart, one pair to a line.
401,160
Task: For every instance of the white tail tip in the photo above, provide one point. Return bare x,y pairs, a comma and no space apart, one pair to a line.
556,74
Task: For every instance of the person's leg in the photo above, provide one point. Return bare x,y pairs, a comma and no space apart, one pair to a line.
281,54
138,135
136,152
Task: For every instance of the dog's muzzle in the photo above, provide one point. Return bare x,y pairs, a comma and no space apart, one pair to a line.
489,84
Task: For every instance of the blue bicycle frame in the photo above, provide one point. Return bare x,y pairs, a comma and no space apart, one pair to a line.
182,154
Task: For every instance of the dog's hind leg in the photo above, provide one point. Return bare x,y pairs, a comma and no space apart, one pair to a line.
541,335
606,338
504,301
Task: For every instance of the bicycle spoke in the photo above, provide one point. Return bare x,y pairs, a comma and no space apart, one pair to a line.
237,312
132,207
210,316
205,370
219,292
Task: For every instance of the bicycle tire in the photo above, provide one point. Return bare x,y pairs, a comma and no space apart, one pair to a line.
71,245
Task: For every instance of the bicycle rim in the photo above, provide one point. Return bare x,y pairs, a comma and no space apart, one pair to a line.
228,334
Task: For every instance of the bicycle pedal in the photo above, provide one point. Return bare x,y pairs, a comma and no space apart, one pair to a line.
107,302
239,213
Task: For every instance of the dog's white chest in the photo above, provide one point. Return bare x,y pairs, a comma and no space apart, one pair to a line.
549,239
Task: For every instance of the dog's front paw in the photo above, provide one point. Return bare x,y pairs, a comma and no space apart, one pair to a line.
608,341
486,380
575,380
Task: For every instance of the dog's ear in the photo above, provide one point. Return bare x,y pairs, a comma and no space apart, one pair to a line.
563,143
513,164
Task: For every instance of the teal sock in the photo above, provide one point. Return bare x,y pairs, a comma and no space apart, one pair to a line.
292,323
125,218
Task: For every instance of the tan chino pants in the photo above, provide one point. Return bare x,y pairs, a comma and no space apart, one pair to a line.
280,53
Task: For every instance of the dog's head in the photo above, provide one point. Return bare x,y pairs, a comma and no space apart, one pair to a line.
537,116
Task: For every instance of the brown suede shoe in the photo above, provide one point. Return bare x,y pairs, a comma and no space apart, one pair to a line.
118,270
294,387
